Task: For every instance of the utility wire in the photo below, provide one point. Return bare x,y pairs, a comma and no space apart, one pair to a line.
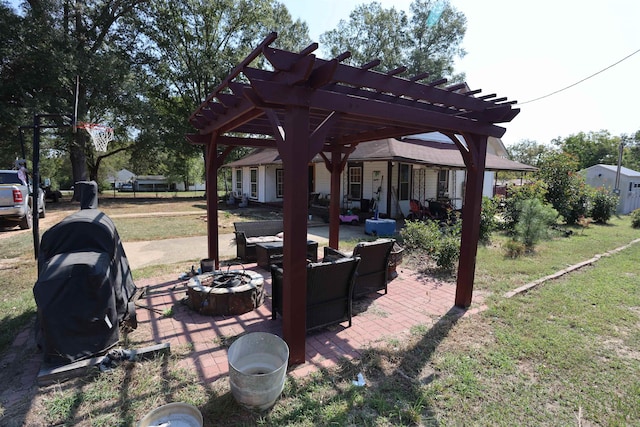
578,82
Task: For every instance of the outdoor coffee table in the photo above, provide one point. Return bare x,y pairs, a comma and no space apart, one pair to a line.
269,252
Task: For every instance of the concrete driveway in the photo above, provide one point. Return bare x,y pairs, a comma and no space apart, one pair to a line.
169,251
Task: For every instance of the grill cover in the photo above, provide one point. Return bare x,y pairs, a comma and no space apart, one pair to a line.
83,289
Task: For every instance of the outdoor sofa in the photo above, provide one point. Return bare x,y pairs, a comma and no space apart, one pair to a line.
249,233
372,274
329,292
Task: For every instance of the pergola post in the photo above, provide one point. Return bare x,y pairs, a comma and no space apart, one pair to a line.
293,149
211,173
334,198
474,159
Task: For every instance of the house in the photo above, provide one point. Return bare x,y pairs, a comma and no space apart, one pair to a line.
123,176
387,173
628,184
152,183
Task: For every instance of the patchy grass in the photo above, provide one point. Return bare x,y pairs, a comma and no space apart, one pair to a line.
565,353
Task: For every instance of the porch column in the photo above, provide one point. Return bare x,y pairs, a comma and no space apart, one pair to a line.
294,151
475,159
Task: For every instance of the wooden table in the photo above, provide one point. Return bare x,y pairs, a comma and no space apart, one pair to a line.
267,253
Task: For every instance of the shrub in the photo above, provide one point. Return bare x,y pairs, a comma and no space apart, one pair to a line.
534,222
635,218
513,248
603,205
488,219
419,235
513,201
447,252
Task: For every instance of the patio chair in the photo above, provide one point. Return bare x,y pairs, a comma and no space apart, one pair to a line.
329,289
373,269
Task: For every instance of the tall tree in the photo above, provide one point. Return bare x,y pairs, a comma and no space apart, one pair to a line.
591,148
194,44
426,41
62,39
528,152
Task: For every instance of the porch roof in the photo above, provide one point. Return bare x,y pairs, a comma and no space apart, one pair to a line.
407,150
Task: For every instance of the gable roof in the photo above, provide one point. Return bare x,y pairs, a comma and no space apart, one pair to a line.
408,150
612,168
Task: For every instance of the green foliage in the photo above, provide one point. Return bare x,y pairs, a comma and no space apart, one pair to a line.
534,222
447,252
373,32
420,235
527,151
513,201
603,205
635,218
566,189
488,222
441,243
513,248
590,148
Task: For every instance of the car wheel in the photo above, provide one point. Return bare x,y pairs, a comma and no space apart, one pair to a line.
27,221
43,212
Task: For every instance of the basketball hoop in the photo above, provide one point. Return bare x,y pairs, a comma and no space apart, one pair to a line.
101,135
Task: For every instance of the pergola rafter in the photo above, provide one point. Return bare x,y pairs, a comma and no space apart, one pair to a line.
306,106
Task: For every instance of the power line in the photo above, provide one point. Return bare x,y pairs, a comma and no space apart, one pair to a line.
580,81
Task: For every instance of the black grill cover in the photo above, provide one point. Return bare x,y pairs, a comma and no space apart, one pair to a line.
84,287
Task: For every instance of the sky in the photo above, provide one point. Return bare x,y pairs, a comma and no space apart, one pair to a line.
524,50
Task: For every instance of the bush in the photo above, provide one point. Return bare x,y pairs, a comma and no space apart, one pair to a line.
447,252
513,248
635,218
419,235
603,205
488,219
534,222
513,201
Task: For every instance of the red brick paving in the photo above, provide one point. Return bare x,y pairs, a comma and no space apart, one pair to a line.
412,300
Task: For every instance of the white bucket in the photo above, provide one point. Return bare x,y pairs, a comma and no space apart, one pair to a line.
257,369
178,414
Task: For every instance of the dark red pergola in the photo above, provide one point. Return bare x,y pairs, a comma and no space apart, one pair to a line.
303,106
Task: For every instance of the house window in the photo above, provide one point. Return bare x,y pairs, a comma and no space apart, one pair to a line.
443,183
355,182
254,183
280,183
403,192
239,182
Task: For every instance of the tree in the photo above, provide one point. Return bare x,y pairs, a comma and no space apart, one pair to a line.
427,41
91,39
567,191
631,154
192,45
591,148
527,151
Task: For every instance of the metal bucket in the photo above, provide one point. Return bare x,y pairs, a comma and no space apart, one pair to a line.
257,369
207,265
177,414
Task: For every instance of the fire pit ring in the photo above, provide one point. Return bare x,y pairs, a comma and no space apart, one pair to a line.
228,293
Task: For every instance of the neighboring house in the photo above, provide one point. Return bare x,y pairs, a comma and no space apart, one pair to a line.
391,171
152,183
123,176
628,183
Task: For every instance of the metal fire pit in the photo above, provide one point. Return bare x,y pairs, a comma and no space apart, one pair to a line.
231,292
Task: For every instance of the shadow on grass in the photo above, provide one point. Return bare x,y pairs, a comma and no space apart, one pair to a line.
394,392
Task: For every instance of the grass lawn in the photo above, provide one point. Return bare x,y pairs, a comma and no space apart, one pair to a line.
564,353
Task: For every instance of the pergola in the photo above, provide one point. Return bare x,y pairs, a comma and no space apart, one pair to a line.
303,106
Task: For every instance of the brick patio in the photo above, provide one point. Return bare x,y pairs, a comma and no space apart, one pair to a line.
412,300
